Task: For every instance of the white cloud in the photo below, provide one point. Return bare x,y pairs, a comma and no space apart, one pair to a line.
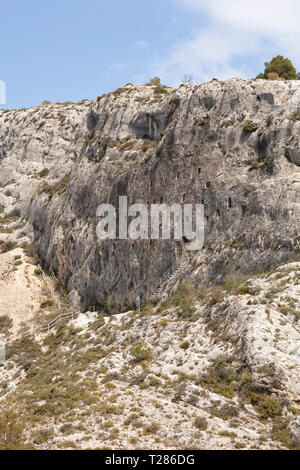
264,16
236,32
141,44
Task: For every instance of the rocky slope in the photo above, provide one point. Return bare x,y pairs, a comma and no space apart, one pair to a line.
21,291
215,368
232,145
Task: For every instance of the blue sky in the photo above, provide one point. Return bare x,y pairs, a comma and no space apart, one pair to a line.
70,50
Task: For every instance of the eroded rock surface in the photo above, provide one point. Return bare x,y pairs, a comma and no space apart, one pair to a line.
214,366
233,146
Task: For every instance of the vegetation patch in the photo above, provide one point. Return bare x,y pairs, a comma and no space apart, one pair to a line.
56,188
249,127
7,246
45,172
6,323
11,432
141,352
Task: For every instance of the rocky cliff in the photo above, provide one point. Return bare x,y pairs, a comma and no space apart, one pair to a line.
233,146
215,364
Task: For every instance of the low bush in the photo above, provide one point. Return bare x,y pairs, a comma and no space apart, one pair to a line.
11,432
7,246
45,172
201,424
141,352
47,303
57,188
5,323
185,298
249,127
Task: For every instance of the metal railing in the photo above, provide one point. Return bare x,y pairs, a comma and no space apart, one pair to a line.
46,327
57,320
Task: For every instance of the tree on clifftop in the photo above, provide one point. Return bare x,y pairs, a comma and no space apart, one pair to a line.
279,68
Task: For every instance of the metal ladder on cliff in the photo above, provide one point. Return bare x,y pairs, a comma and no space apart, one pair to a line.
169,277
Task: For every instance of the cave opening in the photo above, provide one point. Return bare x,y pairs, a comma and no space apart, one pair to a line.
91,122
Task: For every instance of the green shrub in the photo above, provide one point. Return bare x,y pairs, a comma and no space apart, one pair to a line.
7,246
226,411
232,283
244,290
43,173
255,166
230,434
148,304
279,67
295,116
273,76
56,188
147,144
141,352
41,436
11,432
185,298
240,445
24,351
152,428
221,377
281,433
216,295
203,122
46,303
31,252
201,424
5,323
159,88
155,82
67,428
265,405
249,127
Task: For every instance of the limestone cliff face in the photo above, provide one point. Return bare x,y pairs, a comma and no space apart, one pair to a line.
233,146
